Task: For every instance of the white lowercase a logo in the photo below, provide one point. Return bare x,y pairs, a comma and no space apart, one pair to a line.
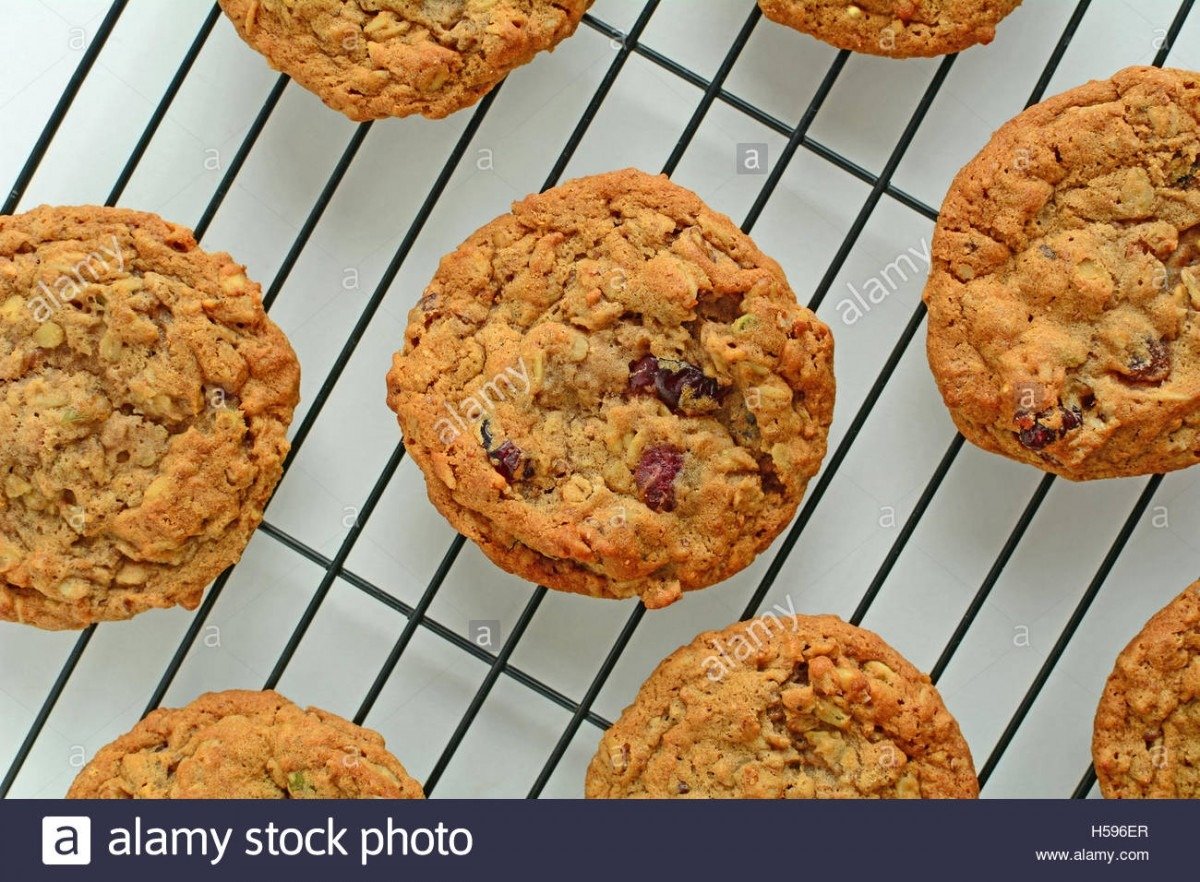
66,842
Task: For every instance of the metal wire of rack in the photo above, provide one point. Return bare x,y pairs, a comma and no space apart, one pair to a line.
417,616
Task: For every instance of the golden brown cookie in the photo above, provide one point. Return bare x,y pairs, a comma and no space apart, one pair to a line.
784,707
377,58
613,391
1146,742
895,28
146,396
1066,278
245,745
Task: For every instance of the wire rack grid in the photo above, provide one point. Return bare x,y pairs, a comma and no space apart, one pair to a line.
1013,589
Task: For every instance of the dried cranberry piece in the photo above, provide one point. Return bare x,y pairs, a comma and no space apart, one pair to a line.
642,373
505,459
1152,367
683,389
656,473
429,306
771,482
686,389
1034,433
1037,436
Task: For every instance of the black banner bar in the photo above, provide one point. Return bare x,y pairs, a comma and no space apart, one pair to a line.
580,841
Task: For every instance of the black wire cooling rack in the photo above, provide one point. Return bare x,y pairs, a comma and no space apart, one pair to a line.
499,663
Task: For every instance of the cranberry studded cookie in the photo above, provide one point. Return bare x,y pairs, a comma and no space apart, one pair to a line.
895,28
146,397
613,391
371,59
1146,742
1065,282
784,707
245,745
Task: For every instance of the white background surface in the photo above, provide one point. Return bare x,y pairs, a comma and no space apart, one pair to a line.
811,210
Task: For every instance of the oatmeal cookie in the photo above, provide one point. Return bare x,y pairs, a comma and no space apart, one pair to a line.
784,707
1066,278
613,391
371,59
896,28
245,745
142,426
1146,742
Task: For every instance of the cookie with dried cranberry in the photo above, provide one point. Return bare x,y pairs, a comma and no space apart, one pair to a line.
372,59
143,424
613,391
1146,742
784,707
245,745
1065,282
895,28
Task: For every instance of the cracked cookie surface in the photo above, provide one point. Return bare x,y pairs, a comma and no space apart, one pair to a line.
613,391
1066,279
245,745
1146,743
895,28
784,707
145,401
371,59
